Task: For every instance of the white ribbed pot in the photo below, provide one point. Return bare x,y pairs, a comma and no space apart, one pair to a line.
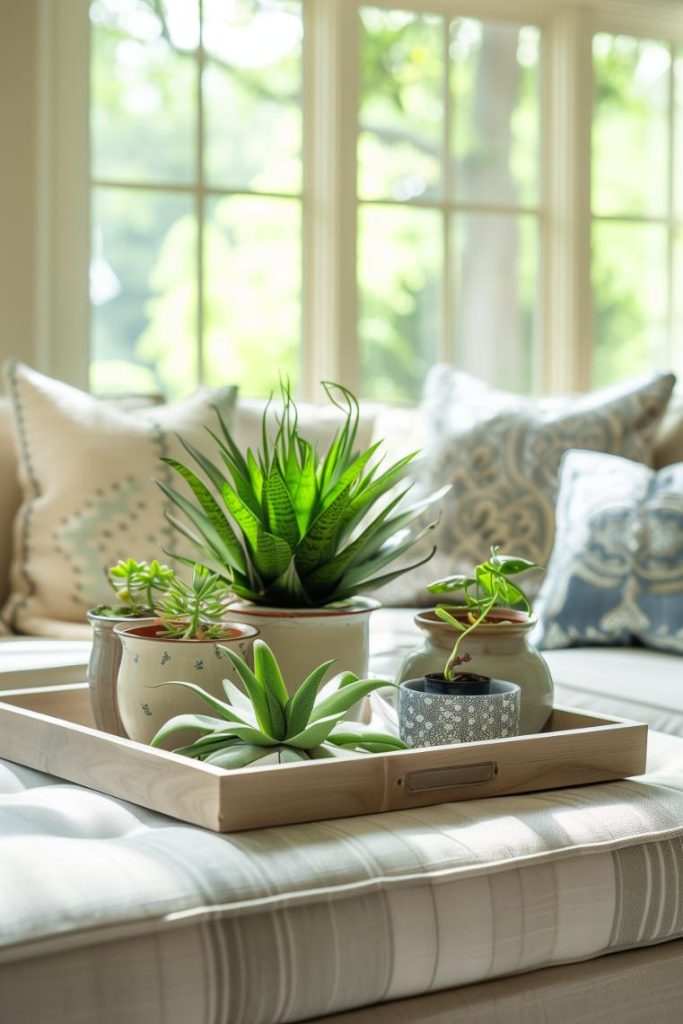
149,660
303,638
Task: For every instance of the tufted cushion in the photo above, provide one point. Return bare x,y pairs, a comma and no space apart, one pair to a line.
86,471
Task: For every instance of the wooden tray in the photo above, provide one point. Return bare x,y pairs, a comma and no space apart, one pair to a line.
51,730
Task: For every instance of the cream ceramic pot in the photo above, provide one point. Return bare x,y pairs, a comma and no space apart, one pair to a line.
499,649
303,638
149,660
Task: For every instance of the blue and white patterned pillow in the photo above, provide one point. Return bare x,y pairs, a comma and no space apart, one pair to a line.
616,571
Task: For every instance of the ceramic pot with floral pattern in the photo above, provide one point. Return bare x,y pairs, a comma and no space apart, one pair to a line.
150,660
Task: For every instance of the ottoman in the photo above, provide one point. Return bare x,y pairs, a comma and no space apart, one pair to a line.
516,908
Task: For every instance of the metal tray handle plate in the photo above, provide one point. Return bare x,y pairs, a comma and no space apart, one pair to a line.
428,779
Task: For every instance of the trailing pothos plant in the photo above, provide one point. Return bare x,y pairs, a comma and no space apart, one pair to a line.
288,527
488,587
264,720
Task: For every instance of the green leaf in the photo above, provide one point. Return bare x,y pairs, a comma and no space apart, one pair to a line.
345,698
271,554
255,690
345,592
303,487
315,733
280,513
299,707
450,583
223,709
319,541
203,723
220,540
509,565
446,616
289,755
238,756
268,672
369,495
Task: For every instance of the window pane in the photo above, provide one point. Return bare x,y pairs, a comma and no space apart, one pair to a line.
494,82
252,255
401,106
496,298
629,299
400,299
630,125
143,293
144,76
252,94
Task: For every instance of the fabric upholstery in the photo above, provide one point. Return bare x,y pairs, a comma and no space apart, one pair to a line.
501,454
89,498
10,495
286,923
616,571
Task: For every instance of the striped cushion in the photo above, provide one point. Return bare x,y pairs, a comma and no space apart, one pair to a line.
287,923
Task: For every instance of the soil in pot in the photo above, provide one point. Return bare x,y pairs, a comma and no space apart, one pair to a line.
462,683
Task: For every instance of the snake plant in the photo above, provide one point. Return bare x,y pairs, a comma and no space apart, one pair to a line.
264,720
289,528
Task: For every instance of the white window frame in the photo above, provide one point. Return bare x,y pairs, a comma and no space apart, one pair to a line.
331,91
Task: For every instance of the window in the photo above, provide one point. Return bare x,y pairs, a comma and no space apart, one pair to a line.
350,190
196,193
636,203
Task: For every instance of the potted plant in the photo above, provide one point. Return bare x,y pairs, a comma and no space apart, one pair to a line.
187,640
264,724
298,536
137,586
492,625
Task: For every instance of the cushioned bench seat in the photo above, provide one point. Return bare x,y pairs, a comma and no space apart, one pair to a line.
112,913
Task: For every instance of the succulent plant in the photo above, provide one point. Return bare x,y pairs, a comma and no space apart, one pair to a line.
289,528
137,586
195,610
264,720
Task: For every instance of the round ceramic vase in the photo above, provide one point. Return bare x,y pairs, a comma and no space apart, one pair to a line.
303,638
149,660
499,649
103,669
435,719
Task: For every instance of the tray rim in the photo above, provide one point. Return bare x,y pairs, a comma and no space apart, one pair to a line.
217,787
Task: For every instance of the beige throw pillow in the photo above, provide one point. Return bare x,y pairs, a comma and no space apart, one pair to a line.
87,471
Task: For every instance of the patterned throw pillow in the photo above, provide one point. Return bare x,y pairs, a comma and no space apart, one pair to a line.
501,453
87,470
616,571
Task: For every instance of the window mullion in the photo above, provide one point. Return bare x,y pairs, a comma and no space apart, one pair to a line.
63,222
331,90
566,355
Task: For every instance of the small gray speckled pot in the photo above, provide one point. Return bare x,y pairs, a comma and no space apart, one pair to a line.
435,719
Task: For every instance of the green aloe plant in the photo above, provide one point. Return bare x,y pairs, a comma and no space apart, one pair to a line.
264,720
288,528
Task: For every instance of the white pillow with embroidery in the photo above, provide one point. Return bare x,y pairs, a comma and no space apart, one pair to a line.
87,471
